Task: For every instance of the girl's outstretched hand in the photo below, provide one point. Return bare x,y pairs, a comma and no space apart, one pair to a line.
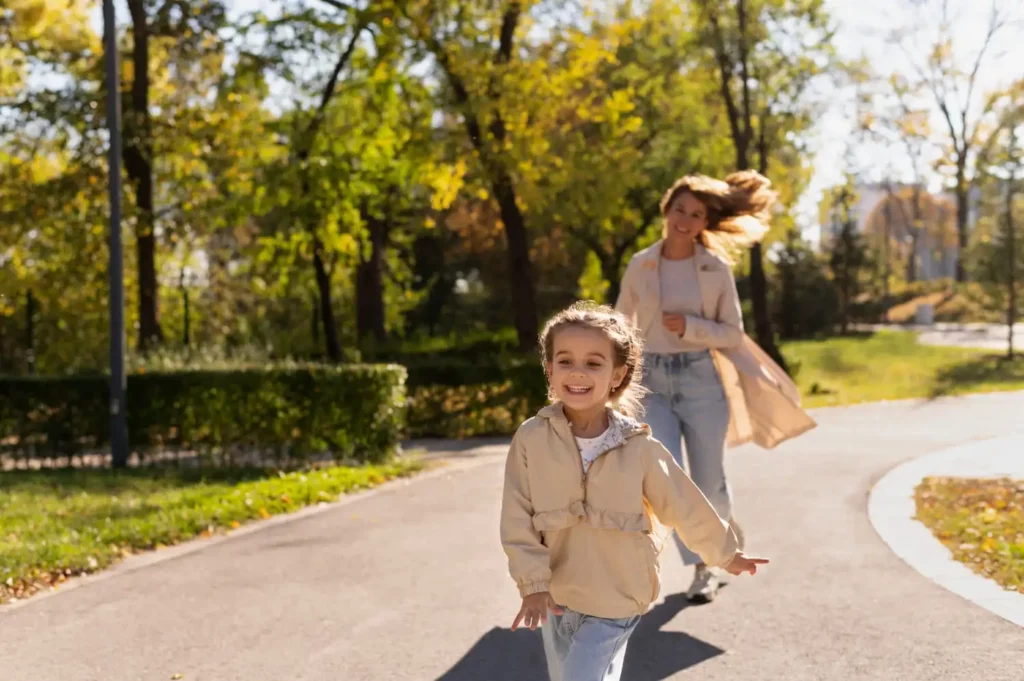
535,610
740,564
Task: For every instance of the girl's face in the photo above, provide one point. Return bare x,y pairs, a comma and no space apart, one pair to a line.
686,218
582,371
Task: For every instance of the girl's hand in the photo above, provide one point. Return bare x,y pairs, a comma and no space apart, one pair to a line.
740,564
676,323
535,610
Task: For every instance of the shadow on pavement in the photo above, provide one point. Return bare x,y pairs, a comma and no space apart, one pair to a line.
653,655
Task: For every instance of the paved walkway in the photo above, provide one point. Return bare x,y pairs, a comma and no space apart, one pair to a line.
982,336
410,583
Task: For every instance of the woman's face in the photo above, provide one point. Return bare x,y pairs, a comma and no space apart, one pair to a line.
686,218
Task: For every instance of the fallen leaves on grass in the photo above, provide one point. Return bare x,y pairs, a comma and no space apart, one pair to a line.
981,522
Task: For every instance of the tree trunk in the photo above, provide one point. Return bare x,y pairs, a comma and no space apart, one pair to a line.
323,284
1011,254
611,263
524,295
370,286
961,219
886,245
186,336
30,331
758,280
432,269
915,238
138,162
915,234
315,322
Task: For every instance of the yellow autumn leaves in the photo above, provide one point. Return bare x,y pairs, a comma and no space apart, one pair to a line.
980,521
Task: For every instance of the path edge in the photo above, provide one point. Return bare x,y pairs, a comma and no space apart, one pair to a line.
891,509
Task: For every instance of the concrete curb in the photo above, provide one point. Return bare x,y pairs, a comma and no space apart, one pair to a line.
891,509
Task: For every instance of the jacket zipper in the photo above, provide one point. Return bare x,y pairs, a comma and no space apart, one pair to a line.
579,459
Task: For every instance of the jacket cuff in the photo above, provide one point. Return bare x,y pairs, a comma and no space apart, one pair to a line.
529,588
690,334
728,552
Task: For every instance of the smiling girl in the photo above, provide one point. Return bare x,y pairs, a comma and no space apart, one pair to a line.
585,484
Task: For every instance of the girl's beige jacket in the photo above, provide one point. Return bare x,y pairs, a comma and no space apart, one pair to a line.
592,540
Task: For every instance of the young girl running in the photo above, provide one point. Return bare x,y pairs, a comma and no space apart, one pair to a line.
586,491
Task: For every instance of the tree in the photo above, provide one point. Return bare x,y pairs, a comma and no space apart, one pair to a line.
805,299
188,25
396,180
473,45
848,254
1012,256
908,222
329,36
999,256
622,93
766,53
894,114
952,85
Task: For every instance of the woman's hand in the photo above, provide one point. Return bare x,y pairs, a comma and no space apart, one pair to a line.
676,323
740,564
535,610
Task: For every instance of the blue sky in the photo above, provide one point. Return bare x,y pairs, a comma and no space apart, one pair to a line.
862,30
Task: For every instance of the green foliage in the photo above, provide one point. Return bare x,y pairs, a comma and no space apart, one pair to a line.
280,414
803,295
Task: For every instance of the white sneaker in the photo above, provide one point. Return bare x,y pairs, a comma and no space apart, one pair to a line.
705,586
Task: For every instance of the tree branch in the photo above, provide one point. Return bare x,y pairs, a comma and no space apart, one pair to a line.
509,22
328,92
741,11
725,71
337,4
994,25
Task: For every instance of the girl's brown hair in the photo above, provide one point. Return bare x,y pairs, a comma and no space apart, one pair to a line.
738,209
626,341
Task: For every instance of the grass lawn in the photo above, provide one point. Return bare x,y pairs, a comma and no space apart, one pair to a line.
981,521
892,365
55,524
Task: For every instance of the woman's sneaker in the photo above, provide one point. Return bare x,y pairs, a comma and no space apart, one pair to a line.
705,586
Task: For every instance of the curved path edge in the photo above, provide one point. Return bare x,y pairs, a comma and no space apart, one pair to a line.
891,509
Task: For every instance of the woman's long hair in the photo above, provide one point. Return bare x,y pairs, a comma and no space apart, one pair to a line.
738,209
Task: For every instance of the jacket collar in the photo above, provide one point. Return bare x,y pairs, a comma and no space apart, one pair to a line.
650,262
706,260
622,427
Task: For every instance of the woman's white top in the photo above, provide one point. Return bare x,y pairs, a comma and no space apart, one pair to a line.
680,294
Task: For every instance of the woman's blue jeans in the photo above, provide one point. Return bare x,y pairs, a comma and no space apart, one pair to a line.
687,404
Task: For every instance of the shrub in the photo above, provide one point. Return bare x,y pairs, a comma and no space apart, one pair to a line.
286,413
468,399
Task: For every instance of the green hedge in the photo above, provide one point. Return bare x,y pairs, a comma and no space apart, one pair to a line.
287,414
457,399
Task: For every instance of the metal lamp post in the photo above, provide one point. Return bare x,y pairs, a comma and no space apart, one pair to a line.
118,383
